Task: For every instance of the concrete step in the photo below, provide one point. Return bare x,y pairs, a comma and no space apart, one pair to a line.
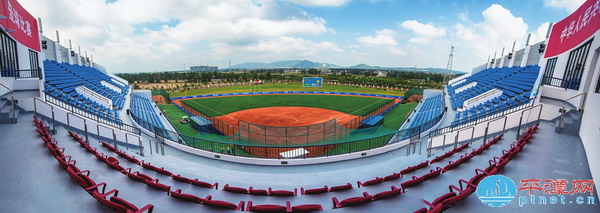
5,108
575,115
7,118
4,103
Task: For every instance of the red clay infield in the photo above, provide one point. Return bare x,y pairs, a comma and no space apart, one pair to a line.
286,116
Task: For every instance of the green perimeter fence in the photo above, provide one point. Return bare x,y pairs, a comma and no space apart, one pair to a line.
354,140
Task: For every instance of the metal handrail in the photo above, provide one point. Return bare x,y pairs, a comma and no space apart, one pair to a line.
12,102
564,107
499,112
485,136
32,73
568,99
116,123
482,96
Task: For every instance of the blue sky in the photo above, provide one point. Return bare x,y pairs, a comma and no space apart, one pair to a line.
154,35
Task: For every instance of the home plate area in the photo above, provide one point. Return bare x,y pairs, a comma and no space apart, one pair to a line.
294,153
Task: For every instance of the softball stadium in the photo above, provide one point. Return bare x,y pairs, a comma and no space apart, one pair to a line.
518,133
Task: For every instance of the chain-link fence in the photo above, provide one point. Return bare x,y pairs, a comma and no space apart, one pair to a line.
294,135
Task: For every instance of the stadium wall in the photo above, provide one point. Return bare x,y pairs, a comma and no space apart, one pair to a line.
589,131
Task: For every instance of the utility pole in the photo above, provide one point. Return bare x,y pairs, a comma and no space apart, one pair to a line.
449,65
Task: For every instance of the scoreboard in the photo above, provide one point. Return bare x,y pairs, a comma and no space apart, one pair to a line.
312,81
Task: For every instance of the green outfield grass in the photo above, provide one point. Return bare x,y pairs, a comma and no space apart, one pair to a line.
354,105
173,113
287,87
392,121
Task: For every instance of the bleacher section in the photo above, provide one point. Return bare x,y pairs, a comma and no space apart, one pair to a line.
65,78
431,107
514,82
82,103
144,113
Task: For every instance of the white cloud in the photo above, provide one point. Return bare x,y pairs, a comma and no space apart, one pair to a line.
397,51
567,5
429,44
382,37
540,33
426,30
500,28
420,40
313,3
187,28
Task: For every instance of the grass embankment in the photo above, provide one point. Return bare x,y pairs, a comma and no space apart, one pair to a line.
354,105
394,118
173,113
287,87
392,121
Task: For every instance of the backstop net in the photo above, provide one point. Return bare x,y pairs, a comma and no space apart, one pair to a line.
275,135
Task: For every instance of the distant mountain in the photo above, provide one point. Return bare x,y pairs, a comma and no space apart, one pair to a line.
364,66
406,69
284,64
305,64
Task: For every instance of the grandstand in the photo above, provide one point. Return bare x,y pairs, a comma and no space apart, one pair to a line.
145,110
77,138
492,91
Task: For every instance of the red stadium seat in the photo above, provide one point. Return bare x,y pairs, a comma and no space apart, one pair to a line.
387,194
238,190
432,173
254,191
65,161
163,171
118,204
341,188
460,148
154,183
392,177
222,204
324,189
181,179
149,166
371,182
267,208
353,201
196,182
478,177
409,183
282,193
139,176
414,168
305,207
441,157
187,197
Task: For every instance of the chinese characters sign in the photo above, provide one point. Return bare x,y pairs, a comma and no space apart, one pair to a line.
557,186
20,24
574,29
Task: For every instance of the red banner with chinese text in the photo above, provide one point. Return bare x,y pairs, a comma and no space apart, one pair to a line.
20,24
574,29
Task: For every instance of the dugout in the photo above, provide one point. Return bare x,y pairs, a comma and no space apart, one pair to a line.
372,121
202,124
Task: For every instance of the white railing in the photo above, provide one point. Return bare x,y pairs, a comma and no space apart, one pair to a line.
484,130
88,93
12,102
465,87
489,95
75,122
